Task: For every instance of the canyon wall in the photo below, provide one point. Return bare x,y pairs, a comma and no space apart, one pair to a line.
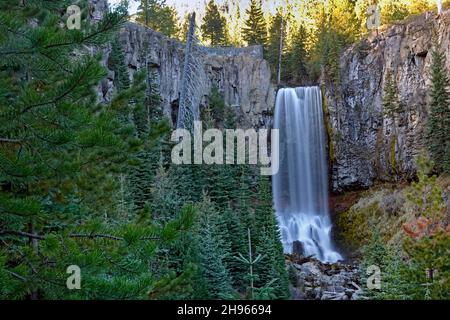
366,147
241,74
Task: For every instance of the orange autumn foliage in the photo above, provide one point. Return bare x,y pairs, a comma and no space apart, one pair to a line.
424,227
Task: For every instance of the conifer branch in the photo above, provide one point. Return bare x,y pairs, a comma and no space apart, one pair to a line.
13,141
72,235
64,94
21,234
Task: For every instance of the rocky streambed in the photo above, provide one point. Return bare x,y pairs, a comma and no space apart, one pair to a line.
314,280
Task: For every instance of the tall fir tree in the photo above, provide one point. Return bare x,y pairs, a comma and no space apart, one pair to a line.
277,34
214,27
297,58
61,153
213,249
438,124
268,243
116,63
392,108
255,29
152,128
391,104
157,15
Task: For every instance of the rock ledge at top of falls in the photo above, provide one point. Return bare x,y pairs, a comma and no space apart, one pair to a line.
366,146
241,74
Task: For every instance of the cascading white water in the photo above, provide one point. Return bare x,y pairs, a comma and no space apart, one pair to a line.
300,187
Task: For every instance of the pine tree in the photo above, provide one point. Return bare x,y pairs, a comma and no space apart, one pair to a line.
427,238
156,15
235,236
277,33
116,63
184,28
336,27
255,29
438,124
392,107
152,128
297,57
212,251
268,243
391,104
214,27
62,153
216,103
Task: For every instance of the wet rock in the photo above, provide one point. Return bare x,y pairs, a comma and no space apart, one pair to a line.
319,281
297,248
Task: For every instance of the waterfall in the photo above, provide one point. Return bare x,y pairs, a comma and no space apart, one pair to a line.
300,188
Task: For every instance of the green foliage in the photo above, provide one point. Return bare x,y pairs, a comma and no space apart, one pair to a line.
391,104
428,270
297,58
392,11
277,32
268,243
336,27
438,125
156,15
116,63
389,260
216,104
214,27
425,195
418,266
65,163
152,128
227,201
212,251
255,29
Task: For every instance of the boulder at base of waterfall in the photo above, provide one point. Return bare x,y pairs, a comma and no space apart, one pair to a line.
314,280
297,248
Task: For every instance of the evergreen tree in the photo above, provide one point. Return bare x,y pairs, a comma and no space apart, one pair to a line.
184,28
152,128
212,251
427,238
156,15
214,27
438,124
268,243
255,29
62,154
116,63
297,57
336,27
392,107
216,104
235,236
391,104
277,33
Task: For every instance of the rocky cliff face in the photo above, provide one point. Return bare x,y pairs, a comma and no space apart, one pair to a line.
367,145
241,74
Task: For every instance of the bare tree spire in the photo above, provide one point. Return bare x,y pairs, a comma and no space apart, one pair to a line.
190,94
